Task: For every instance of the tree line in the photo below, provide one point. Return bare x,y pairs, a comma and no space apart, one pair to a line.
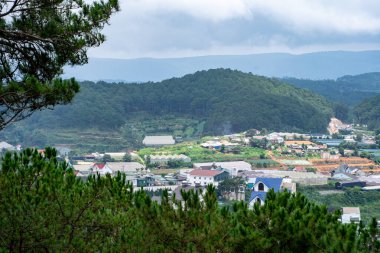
45,207
228,101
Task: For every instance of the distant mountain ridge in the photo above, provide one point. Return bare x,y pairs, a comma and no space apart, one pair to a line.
319,65
350,89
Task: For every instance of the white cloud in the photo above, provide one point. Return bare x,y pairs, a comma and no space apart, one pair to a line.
212,10
323,16
170,28
346,16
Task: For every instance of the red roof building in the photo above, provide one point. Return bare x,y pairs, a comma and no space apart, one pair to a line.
101,168
205,173
100,165
200,177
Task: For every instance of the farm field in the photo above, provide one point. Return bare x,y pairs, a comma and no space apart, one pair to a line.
200,154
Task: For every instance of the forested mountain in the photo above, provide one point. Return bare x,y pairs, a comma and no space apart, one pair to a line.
227,101
349,90
368,112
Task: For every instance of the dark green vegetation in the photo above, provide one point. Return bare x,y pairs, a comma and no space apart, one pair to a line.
347,90
263,163
47,131
44,207
369,201
368,112
38,38
214,102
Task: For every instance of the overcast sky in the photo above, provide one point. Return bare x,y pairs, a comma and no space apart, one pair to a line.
178,28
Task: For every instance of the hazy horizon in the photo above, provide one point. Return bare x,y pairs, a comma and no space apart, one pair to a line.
317,65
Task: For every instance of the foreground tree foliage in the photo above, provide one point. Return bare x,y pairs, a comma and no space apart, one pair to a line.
45,207
38,38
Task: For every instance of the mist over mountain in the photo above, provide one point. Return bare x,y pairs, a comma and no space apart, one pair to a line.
320,65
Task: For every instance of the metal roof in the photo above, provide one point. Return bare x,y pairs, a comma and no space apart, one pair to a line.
125,166
238,165
261,195
159,140
347,210
205,173
272,183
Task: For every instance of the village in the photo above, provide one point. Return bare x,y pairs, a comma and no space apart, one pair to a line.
243,166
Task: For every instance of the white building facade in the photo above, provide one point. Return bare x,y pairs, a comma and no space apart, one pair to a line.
199,177
351,214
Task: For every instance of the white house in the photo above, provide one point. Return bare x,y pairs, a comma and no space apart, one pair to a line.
200,177
158,140
101,168
275,138
350,214
231,167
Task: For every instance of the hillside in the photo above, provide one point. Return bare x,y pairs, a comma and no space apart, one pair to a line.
319,65
218,101
368,112
349,90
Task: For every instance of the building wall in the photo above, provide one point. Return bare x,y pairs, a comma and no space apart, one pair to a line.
202,180
346,218
256,187
222,176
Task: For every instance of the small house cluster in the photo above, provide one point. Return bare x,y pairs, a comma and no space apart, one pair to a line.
300,159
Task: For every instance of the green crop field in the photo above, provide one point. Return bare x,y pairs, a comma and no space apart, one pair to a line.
199,154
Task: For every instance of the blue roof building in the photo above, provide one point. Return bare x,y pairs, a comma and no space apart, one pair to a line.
261,186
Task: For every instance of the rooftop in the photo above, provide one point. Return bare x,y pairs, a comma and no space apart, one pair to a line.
99,165
347,210
371,188
298,142
159,140
169,156
125,166
261,195
82,167
205,173
272,183
239,165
